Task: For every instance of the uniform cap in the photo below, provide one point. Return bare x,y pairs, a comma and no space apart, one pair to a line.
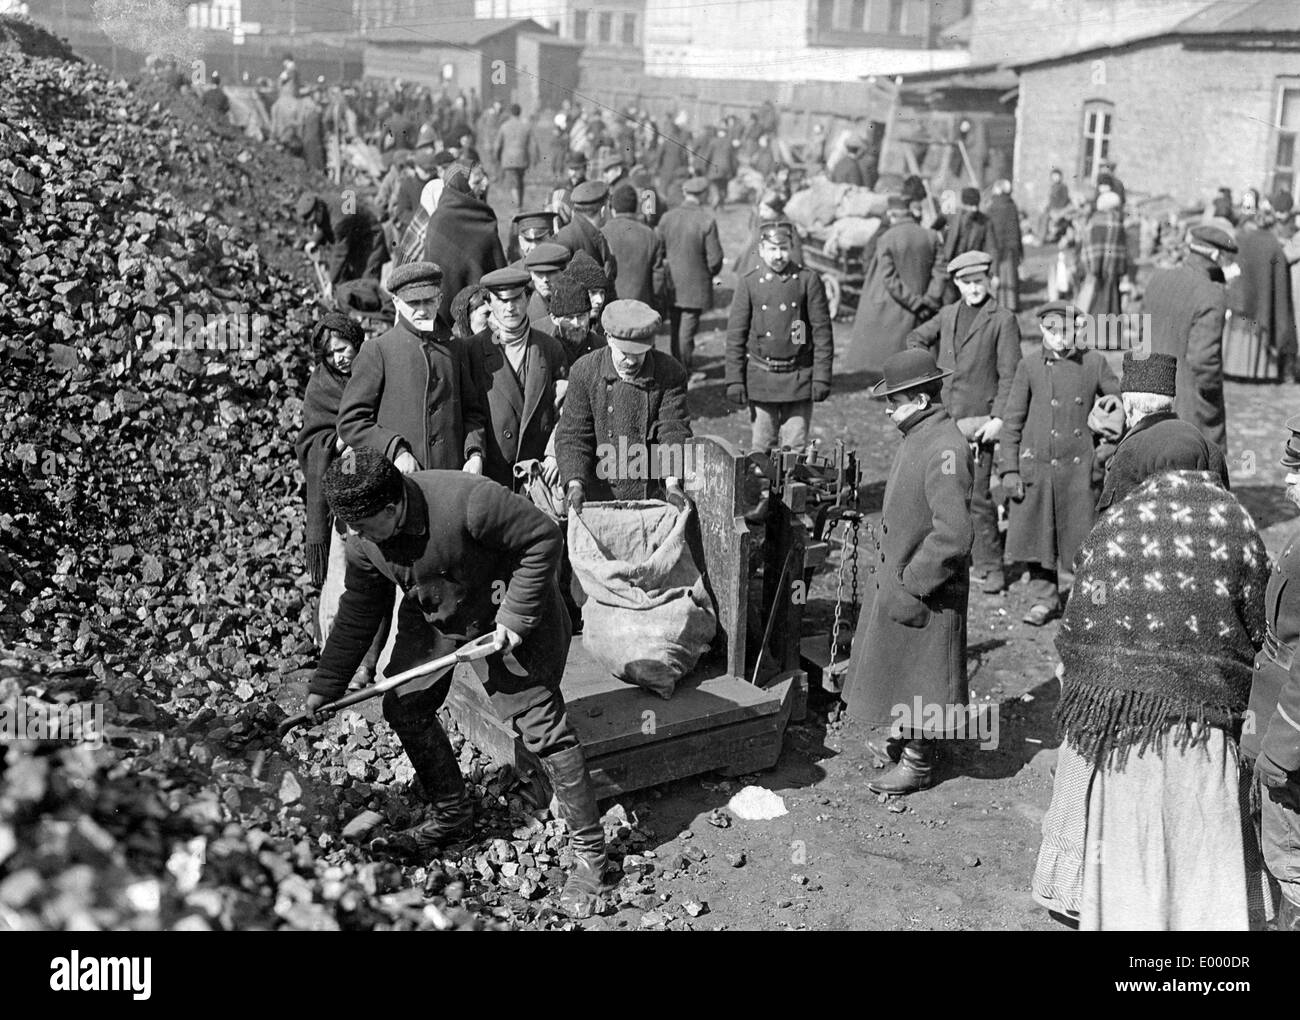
590,193
501,281
533,226
779,231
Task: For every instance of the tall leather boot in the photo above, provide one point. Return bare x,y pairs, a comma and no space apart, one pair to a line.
567,771
914,771
883,746
451,812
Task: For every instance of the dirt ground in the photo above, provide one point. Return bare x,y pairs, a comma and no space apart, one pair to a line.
959,856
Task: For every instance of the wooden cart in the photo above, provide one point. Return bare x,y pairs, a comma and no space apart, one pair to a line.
843,274
730,714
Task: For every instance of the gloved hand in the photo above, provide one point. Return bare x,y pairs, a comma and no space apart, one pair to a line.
576,496
1106,418
737,395
820,391
1011,487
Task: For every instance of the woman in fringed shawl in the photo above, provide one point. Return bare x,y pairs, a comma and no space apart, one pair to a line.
1144,831
1105,255
462,238
335,340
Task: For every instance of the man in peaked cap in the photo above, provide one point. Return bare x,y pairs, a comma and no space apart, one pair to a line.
910,649
980,342
582,233
629,400
779,343
411,395
1156,439
1184,309
531,229
1270,736
542,264
694,257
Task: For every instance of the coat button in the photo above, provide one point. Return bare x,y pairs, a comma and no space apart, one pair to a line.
507,433
763,307
1078,432
1053,462
610,408
1078,400
1076,460
1054,432
1055,402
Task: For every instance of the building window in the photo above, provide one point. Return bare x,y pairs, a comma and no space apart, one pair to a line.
1098,123
605,27
1285,150
825,16
858,16
629,29
895,17
580,24
867,23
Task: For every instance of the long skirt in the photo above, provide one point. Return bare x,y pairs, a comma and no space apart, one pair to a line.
1156,846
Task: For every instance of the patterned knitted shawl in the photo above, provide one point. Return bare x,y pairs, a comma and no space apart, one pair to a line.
1165,618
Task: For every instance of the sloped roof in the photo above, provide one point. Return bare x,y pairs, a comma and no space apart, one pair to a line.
451,33
1226,17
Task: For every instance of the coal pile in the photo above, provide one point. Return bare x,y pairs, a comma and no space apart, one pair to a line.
151,562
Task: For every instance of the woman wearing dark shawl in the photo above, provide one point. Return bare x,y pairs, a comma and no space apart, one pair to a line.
462,239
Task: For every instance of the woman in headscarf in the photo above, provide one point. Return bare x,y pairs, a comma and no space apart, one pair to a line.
470,312
1144,831
463,237
335,341
1104,257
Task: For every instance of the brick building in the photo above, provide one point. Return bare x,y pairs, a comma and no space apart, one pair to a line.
1210,100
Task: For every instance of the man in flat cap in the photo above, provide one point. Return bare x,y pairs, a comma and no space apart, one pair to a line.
582,233
1185,309
1270,735
980,343
575,173
543,263
966,230
694,257
411,395
629,400
517,368
779,343
637,249
469,559
1048,453
909,653
530,230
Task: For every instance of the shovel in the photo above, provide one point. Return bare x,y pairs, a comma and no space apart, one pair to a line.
479,648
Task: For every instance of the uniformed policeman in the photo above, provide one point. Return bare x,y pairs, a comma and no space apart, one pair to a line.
779,343
1271,733
531,229
542,263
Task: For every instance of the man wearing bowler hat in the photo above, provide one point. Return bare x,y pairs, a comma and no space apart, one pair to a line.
779,343
543,263
629,400
582,233
980,343
907,675
1184,310
694,256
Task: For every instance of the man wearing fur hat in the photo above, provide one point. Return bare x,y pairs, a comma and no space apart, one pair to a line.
1186,307
910,648
470,559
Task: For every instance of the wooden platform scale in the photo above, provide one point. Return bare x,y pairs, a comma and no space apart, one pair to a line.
716,719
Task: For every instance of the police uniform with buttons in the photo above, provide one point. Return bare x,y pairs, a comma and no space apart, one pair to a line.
779,340
1045,437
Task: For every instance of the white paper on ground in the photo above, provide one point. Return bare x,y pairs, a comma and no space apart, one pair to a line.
756,804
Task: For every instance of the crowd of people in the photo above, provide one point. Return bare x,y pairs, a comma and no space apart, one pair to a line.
509,366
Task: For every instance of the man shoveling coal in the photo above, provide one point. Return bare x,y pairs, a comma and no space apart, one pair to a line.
471,559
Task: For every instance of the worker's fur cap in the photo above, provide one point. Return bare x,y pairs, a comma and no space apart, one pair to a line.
588,272
361,483
568,296
1154,373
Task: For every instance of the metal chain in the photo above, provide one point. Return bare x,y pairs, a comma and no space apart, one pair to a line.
853,525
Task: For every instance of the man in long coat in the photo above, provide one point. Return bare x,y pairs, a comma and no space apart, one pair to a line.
1185,308
694,256
910,649
462,238
1046,456
411,395
893,300
638,250
471,560
1261,296
517,368
583,232
980,342
516,150
1008,244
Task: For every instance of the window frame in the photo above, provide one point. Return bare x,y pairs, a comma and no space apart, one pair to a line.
1099,106
1274,168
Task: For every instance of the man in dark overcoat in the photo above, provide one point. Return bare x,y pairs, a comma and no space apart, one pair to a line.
1185,308
411,395
624,415
1046,455
910,648
638,251
779,343
546,261
980,343
470,559
583,232
516,367
694,256
893,300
